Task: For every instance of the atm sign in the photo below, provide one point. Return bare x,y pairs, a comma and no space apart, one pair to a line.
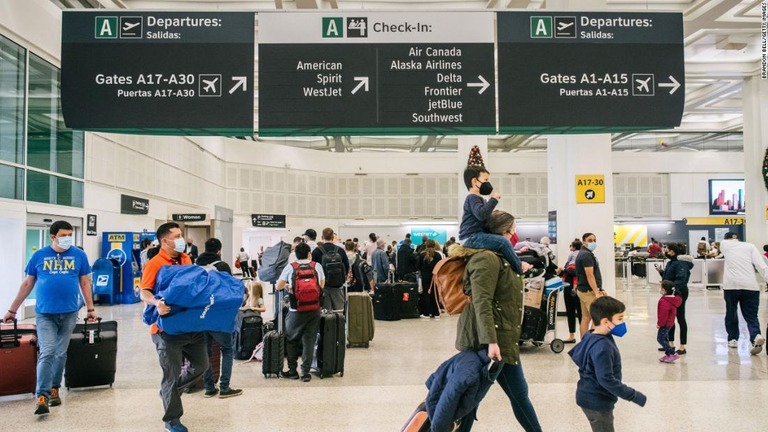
116,238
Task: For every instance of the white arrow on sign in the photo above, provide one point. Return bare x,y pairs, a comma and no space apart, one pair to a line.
240,81
363,82
674,84
483,84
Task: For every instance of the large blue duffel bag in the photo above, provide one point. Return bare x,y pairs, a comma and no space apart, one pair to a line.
200,300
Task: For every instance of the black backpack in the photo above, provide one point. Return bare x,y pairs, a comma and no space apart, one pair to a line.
333,267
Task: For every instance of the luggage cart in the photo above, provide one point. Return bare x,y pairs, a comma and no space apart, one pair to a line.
539,323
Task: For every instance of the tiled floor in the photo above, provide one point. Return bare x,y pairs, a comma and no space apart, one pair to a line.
712,388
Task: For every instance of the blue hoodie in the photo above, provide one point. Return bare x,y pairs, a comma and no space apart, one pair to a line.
457,387
599,362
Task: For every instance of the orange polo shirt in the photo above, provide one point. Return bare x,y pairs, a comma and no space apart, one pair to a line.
149,274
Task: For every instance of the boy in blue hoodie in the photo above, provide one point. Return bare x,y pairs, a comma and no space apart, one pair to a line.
599,362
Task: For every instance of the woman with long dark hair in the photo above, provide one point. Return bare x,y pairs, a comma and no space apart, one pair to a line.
678,270
428,259
572,302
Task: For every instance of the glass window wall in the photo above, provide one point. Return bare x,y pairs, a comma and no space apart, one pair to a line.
12,75
50,189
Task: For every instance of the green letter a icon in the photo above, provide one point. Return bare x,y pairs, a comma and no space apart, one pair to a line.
333,27
106,27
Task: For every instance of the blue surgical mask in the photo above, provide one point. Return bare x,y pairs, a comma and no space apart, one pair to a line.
592,246
65,242
179,244
620,329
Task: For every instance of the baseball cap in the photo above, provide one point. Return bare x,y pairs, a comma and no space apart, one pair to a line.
310,233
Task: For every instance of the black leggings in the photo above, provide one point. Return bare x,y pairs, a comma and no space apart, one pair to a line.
572,308
681,321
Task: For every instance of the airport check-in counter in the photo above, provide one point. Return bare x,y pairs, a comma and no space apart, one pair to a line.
704,273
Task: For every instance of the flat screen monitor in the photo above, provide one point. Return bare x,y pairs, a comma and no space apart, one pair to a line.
726,196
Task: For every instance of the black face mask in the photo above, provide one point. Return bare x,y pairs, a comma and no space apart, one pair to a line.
486,188
668,255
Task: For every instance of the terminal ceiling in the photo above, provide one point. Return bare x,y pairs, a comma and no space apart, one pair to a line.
722,47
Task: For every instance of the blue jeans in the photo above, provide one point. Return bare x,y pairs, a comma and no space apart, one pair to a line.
497,243
226,341
53,334
512,381
662,337
748,301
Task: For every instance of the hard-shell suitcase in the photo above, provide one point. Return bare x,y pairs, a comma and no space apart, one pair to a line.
386,304
408,294
248,333
18,359
92,355
274,345
329,357
360,325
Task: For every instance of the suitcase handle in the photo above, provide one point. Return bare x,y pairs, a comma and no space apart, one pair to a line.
96,333
12,340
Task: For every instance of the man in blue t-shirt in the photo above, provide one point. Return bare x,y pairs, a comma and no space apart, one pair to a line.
60,273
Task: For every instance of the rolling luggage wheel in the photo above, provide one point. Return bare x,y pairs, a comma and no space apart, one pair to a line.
349,345
557,345
341,374
538,344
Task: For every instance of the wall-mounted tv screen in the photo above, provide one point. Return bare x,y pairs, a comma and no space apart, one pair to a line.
726,196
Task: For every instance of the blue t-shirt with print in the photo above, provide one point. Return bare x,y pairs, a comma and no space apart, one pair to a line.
57,277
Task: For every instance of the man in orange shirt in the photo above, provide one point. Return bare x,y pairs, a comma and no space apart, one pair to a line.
172,349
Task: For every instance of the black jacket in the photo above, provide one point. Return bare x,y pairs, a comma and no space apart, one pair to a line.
678,270
207,257
407,261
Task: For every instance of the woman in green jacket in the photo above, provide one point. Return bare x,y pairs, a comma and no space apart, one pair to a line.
493,319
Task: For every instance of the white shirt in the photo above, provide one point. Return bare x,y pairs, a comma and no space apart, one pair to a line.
242,257
287,274
312,245
741,260
370,248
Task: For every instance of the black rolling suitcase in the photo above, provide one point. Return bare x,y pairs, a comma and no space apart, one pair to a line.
331,342
92,355
248,334
386,305
274,346
408,295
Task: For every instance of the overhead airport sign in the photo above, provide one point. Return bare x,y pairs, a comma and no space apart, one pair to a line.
188,217
268,220
183,73
589,72
133,205
353,73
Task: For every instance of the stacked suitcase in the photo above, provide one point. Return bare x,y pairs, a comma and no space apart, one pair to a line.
92,355
18,359
393,301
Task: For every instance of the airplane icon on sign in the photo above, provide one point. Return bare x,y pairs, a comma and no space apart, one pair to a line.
564,25
643,84
127,26
210,85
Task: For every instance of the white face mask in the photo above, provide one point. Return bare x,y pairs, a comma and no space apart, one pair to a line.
65,242
179,244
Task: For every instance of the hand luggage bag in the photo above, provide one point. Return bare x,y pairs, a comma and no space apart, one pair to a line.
18,359
92,355
274,346
248,334
330,351
408,295
360,326
534,324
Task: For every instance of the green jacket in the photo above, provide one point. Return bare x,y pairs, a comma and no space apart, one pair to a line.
495,314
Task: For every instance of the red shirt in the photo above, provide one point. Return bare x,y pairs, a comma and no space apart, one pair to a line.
667,310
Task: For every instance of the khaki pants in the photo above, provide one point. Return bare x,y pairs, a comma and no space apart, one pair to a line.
586,299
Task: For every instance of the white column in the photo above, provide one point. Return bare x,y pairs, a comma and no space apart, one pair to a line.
567,157
465,145
755,101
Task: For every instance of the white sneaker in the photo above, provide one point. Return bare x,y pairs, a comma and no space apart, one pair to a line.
757,345
733,343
